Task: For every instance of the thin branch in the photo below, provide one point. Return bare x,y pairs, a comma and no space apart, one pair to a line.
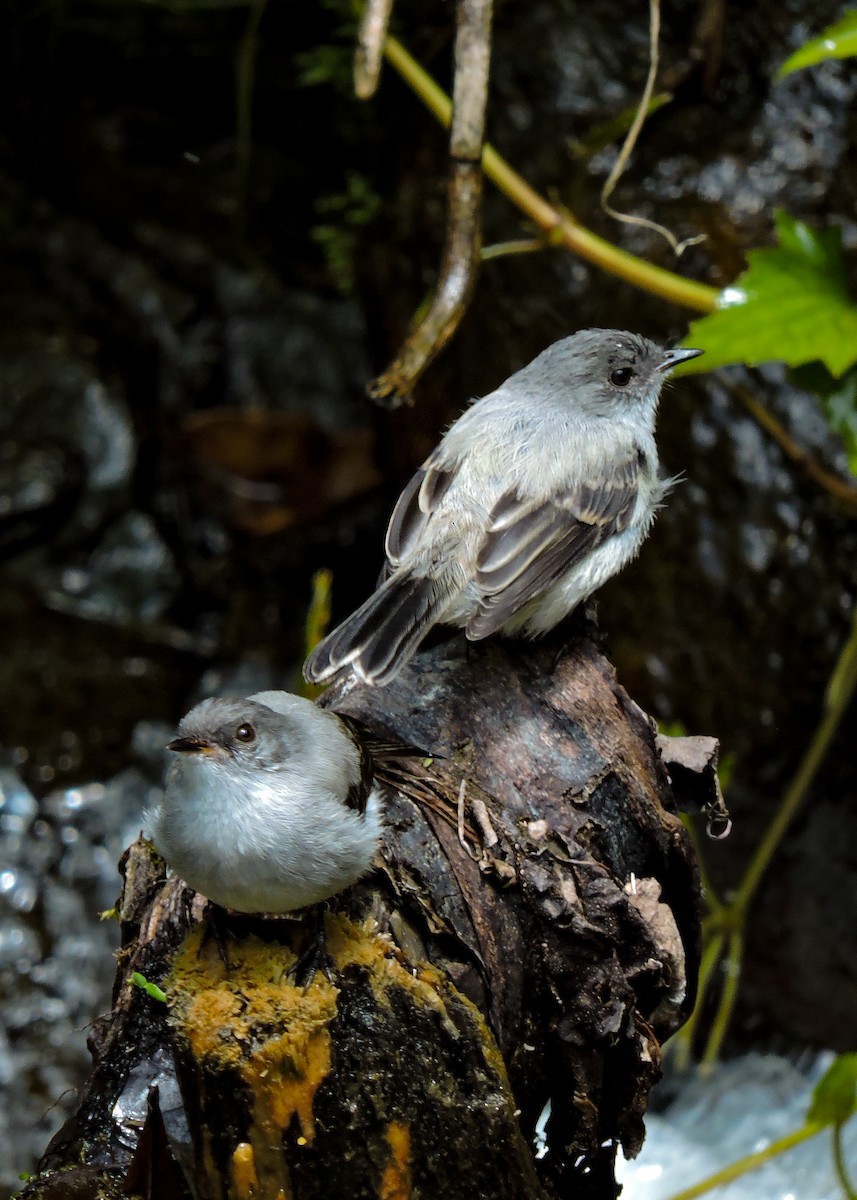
461,256
840,489
720,1024
840,690
457,278
370,47
686,1036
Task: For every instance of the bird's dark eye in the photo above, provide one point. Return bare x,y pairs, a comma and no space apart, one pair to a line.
245,733
621,376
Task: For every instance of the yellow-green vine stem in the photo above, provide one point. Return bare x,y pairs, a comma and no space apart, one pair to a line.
728,996
684,1039
751,1162
839,1163
840,691
561,228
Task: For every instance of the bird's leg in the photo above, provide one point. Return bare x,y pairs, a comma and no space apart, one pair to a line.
215,925
314,956
581,622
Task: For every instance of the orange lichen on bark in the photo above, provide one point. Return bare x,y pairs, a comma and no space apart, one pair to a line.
396,1180
245,1181
253,1020
362,946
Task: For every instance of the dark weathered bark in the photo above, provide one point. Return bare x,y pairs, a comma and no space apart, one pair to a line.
542,952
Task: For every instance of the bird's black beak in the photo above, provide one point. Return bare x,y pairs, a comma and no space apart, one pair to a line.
672,358
189,745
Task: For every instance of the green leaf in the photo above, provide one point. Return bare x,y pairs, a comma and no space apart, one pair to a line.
791,305
837,41
834,1098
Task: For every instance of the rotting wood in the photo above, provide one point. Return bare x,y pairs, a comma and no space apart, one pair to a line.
547,958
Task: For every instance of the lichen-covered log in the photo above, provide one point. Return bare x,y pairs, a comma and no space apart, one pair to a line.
529,936
384,1083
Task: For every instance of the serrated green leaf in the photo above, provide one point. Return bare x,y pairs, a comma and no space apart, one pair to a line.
837,41
834,1098
791,305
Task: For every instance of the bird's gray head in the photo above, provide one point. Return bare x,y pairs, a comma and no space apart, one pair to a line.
602,371
240,734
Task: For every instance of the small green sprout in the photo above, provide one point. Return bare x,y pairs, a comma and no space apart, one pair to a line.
151,989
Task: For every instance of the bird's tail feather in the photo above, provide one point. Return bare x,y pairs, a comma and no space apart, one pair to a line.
383,634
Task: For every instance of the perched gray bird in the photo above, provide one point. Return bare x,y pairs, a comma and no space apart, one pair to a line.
270,803
536,495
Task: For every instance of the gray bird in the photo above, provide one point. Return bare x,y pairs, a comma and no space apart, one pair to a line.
271,802
535,496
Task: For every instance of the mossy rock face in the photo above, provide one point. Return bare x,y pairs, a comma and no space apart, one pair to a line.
303,1093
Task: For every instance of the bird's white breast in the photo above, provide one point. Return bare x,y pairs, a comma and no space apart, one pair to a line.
262,840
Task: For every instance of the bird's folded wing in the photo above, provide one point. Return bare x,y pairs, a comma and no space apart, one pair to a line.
528,544
357,796
418,501
379,746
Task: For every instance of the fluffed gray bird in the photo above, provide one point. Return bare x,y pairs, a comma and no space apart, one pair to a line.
271,802
536,495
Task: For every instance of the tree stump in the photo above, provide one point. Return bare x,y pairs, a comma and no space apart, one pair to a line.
523,949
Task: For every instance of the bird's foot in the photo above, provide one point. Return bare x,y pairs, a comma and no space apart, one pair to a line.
314,956
581,622
215,928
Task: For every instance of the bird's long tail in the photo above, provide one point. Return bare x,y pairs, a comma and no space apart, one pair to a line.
383,634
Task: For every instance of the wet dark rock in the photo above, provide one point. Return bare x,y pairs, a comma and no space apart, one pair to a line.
77,688
66,447
129,579
57,872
